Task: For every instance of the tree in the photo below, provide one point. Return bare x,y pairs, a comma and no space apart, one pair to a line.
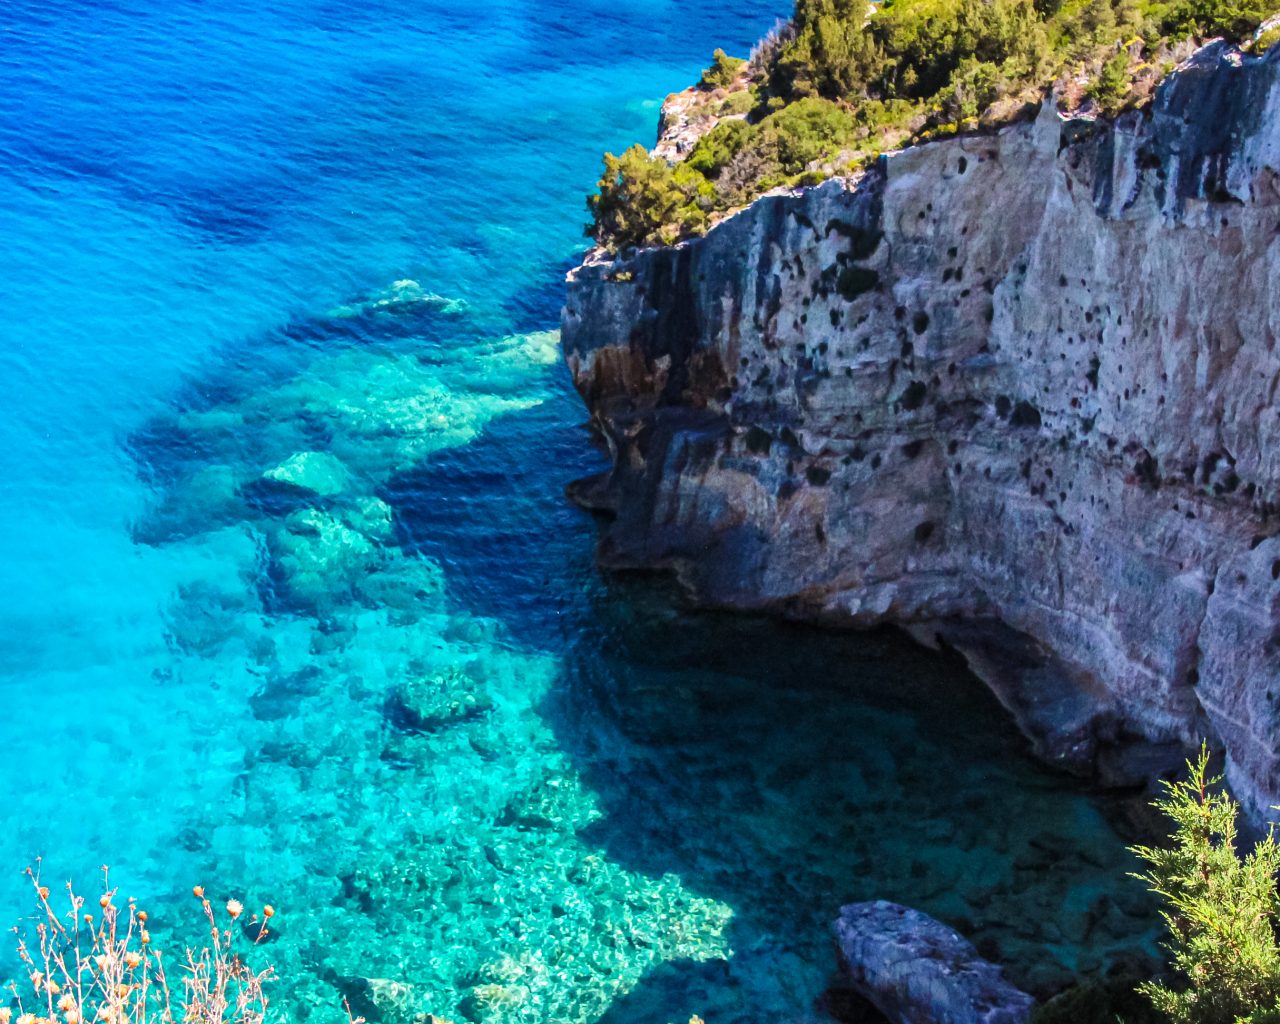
1220,908
1112,85
831,52
643,200
723,71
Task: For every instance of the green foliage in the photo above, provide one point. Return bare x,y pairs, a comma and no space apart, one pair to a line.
723,72
923,43
1268,39
804,132
831,54
1204,18
1112,86
1097,1002
1220,908
849,79
974,86
643,200
743,101
720,145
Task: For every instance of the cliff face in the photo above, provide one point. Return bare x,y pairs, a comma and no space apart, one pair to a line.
1017,393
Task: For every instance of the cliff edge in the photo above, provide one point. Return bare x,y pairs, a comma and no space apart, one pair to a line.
1015,392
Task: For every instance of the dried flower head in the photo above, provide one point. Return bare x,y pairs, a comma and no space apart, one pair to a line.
124,979
268,911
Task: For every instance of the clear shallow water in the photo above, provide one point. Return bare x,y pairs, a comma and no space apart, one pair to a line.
291,603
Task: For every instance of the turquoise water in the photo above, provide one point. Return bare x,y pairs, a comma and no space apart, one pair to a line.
292,605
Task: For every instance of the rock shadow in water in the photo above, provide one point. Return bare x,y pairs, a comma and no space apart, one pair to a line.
779,769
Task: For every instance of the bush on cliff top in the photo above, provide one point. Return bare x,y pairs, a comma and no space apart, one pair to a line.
846,80
642,201
723,71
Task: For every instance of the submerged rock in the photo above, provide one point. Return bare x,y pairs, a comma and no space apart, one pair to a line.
404,584
371,516
320,559
317,472
916,970
425,704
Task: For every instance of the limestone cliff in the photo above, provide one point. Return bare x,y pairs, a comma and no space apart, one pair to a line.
1017,393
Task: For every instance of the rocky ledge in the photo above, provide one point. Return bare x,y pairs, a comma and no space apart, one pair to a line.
1016,393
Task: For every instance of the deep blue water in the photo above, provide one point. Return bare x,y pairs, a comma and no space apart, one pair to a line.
291,604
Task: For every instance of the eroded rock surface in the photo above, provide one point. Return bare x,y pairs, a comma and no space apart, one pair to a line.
1014,392
916,970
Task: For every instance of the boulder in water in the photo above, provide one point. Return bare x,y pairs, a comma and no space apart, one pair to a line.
319,559
916,970
424,705
318,472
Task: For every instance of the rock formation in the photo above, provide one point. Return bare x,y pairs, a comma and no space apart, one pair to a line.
1014,392
916,970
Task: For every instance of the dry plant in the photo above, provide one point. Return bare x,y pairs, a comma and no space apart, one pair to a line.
88,967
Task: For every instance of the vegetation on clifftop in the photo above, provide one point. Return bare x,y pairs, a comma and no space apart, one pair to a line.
845,80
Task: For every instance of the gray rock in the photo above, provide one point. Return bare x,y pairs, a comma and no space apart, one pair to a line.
1014,392
916,970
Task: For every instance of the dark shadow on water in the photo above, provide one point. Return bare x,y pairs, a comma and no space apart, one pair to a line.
537,305
493,514
780,769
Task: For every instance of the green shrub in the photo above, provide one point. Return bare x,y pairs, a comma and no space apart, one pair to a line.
974,87
830,53
1220,908
924,42
643,200
1204,18
720,145
741,102
1268,39
1112,85
723,71
806,131
1097,1002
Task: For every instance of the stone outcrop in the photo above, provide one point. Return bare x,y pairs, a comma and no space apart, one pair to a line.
1015,392
689,115
916,970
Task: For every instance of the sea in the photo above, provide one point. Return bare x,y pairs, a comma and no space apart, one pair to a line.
292,605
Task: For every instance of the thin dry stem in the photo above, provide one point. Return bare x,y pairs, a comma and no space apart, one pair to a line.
87,968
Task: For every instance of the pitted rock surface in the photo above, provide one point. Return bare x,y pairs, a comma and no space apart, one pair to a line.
1015,392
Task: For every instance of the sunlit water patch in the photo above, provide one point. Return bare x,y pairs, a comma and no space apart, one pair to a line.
294,607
